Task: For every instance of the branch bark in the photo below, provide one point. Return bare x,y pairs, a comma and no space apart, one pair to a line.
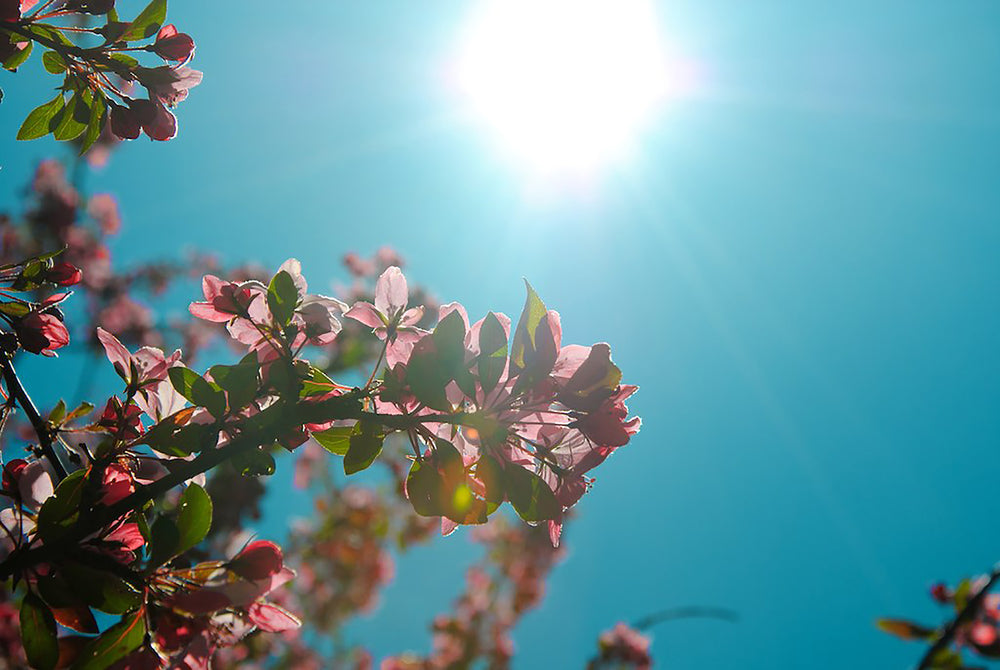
42,427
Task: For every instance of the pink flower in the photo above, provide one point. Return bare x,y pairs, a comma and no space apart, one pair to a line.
389,318
224,301
172,45
271,618
104,209
169,85
41,333
121,421
116,484
146,370
607,425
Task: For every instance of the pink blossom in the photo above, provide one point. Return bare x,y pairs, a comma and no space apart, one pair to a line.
155,395
389,318
271,618
608,424
41,333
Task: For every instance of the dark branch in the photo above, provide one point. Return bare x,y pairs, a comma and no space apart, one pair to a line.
42,427
968,612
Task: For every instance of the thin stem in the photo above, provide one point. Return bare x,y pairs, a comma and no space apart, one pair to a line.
42,427
963,617
690,612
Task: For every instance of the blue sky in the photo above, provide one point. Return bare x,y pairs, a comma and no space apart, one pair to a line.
797,266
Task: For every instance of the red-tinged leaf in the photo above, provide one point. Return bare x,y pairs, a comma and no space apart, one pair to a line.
905,629
70,647
78,618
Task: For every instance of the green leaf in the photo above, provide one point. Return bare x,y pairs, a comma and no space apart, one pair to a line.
98,113
197,390
490,473
336,440
58,413
194,517
53,62
82,409
962,594
530,495
17,59
125,60
50,33
60,510
433,480
492,352
38,633
524,335
317,383
113,644
164,542
73,119
423,488
426,375
14,309
282,297
100,589
254,463
39,121
148,22
364,448
238,381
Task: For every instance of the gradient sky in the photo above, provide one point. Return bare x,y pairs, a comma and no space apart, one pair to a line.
798,267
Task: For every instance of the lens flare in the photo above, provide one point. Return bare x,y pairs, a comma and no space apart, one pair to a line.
565,85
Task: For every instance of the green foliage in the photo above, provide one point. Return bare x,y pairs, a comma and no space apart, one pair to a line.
282,297
38,633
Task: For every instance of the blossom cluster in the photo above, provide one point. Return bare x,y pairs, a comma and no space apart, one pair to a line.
99,83
975,626
492,414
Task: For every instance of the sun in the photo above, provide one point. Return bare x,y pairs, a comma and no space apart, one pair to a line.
564,85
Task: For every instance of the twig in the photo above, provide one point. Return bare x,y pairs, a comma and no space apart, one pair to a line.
967,613
690,612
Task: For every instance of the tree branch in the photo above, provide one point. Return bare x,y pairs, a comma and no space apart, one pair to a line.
42,427
963,617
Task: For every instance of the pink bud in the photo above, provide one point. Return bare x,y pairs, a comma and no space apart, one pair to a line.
64,274
41,333
172,45
259,560
125,123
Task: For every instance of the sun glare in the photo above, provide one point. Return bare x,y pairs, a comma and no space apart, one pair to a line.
565,85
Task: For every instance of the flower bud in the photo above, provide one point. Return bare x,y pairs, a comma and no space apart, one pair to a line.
41,333
125,122
64,274
259,560
172,45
